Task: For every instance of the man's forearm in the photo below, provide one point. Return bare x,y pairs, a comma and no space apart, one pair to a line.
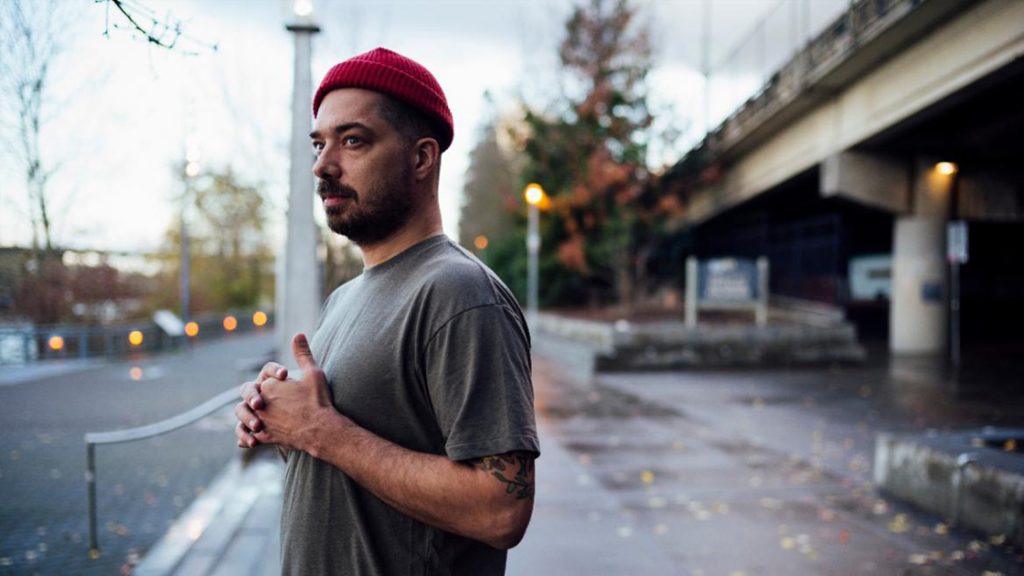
453,496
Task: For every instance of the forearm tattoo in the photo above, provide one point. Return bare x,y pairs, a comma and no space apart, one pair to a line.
514,470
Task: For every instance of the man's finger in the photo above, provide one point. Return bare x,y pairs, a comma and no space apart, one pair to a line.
303,355
244,437
252,395
272,370
247,418
262,437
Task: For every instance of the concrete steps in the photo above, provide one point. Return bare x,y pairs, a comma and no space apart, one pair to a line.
670,344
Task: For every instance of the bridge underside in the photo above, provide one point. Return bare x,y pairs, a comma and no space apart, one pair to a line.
827,193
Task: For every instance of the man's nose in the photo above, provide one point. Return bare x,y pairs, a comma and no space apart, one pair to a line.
325,167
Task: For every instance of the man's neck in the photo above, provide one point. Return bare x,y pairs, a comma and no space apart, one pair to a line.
407,237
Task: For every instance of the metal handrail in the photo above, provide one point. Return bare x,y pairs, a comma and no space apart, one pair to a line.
171,424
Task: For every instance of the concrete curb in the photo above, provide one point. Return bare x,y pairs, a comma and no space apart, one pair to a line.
958,476
198,539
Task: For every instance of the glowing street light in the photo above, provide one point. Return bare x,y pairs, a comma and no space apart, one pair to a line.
230,323
135,338
534,195
191,329
56,343
946,168
259,319
480,242
303,8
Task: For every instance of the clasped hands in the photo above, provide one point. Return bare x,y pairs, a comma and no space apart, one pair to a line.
276,409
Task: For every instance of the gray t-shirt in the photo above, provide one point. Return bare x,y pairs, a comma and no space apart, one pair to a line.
430,351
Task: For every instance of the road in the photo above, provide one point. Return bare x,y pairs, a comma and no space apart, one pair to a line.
141,486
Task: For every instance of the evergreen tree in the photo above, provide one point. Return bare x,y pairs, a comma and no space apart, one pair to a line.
490,196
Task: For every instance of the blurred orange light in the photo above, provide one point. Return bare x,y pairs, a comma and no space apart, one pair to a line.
191,329
56,343
946,168
480,242
135,373
230,323
534,193
259,318
135,337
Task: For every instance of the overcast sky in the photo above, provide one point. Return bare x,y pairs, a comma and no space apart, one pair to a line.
122,110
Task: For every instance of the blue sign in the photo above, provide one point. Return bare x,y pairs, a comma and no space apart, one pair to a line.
728,280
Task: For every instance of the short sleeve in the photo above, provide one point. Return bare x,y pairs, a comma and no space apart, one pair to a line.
478,378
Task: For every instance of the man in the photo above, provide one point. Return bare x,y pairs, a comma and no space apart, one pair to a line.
410,436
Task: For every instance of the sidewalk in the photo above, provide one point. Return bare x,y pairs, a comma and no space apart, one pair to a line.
12,374
731,473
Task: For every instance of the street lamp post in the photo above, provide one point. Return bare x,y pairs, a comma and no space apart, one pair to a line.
191,171
534,195
298,293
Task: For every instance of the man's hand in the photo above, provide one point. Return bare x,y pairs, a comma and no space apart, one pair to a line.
289,411
252,400
489,499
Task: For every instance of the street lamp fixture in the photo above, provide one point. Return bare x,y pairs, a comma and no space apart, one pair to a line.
533,194
946,168
303,8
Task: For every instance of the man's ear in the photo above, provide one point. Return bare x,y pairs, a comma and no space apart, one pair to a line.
428,155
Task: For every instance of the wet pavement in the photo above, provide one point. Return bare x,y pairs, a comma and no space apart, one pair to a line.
141,487
767,472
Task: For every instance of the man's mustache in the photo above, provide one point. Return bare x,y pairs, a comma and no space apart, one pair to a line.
327,188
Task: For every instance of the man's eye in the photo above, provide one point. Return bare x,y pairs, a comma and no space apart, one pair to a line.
352,140
318,147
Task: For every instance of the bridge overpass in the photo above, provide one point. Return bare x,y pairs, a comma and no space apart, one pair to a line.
900,116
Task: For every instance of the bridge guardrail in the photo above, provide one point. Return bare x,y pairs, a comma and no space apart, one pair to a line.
24,342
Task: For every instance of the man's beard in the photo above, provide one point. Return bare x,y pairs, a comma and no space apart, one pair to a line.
372,216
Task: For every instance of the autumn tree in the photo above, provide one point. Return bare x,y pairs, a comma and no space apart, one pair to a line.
589,152
231,262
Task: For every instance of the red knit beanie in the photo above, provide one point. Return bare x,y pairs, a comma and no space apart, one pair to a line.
387,72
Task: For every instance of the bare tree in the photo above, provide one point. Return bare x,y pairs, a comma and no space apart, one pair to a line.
143,23
32,37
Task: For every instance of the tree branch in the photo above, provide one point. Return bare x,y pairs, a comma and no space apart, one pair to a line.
165,34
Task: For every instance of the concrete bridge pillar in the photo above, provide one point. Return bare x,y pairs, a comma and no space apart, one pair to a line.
918,312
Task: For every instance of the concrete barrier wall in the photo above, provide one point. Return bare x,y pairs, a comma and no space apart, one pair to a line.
981,488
